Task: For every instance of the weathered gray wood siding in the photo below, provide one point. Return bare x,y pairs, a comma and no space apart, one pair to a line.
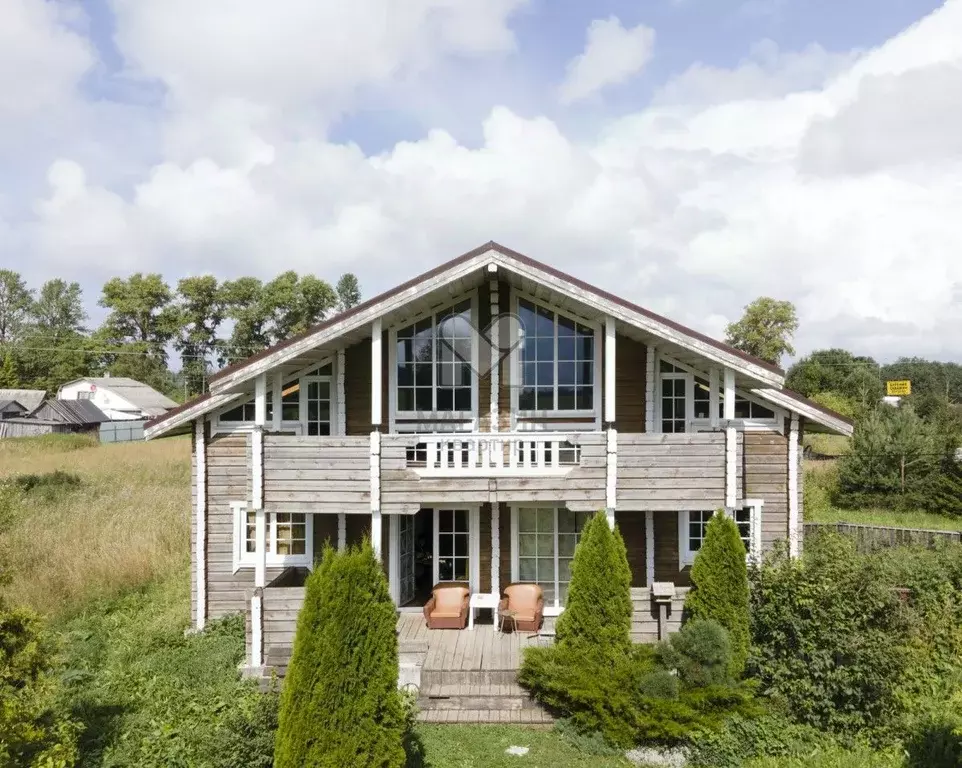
281,607
403,491
766,477
317,474
644,619
672,472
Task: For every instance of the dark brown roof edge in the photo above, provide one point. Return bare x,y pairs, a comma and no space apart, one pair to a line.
489,246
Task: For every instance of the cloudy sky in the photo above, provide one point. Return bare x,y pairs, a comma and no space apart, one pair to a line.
689,155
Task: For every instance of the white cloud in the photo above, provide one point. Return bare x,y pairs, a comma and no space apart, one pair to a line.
833,180
41,56
612,55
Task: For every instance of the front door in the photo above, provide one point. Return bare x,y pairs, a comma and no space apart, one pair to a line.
406,558
452,545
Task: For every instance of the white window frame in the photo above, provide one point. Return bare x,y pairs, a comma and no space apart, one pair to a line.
555,609
305,382
515,367
416,417
248,560
474,541
776,424
298,427
686,556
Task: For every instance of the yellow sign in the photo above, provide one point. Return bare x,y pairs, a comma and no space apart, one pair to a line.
898,388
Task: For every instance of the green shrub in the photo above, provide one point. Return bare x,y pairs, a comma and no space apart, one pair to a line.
744,738
598,608
937,744
700,654
35,729
246,736
829,637
720,586
340,704
625,696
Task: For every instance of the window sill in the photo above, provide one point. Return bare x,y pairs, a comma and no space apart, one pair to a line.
294,561
557,414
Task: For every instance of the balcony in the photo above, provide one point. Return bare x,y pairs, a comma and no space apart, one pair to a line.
502,454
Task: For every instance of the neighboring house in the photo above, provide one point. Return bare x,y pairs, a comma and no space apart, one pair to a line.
29,399
118,397
11,408
60,416
480,462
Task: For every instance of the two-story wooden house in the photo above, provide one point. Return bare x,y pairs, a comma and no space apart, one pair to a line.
469,421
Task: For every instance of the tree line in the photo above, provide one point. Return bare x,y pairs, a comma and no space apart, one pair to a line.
45,340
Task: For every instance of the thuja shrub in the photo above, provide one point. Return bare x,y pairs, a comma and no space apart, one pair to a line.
719,591
598,609
340,704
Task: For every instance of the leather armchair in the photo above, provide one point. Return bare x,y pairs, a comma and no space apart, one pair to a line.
527,601
448,606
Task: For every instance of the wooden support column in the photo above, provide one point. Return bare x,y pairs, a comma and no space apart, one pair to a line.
651,376
200,522
495,337
611,488
713,400
341,532
257,442
793,506
277,396
257,628
731,443
376,493
650,548
496,548
376,374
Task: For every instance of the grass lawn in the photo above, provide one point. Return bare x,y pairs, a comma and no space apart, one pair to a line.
483,746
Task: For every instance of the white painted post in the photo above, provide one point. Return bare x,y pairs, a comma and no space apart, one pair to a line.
260,548
610,369
495,334
650,548
257,442
713,397
611,473
376,373
793,507
651,373
376,493
200,522
257,637
341,531
341,426
496,548
277,395
260,399
731,442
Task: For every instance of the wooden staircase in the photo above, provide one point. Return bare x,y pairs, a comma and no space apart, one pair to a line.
473,696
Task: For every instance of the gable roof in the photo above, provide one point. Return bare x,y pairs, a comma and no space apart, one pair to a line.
811,410
30,399
77,412
138,394
6,405
225,383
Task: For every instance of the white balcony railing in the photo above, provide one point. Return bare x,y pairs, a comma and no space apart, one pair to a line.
488,454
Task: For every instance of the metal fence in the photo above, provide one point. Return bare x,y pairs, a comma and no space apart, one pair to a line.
122,431
872,537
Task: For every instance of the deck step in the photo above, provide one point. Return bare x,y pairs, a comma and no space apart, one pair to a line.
536,717
434,677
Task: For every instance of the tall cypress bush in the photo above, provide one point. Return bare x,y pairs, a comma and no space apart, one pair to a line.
719,580
598,610
340,704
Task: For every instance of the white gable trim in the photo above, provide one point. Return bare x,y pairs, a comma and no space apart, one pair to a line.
791,404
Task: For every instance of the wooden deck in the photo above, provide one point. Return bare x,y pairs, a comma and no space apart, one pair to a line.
482,649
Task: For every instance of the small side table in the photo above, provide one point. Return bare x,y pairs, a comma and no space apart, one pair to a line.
480,600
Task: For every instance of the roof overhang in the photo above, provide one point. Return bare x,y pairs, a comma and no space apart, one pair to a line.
824,417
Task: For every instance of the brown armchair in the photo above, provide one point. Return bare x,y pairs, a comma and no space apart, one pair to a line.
527,601
448,606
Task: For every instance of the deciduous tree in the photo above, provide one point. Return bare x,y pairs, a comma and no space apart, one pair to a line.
765,330
140,311
200,311
15,300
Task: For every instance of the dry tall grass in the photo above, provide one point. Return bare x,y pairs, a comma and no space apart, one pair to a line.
126,525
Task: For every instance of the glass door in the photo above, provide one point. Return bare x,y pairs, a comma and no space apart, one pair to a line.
452,545
406,558
544,549
317,405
